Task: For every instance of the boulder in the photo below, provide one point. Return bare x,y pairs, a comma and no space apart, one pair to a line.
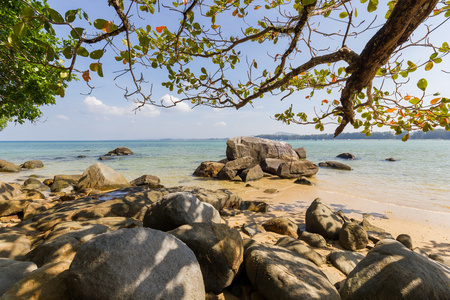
255,206
353,237
297,246
73,179
227,174
346,156
119,151
406,240
252,229
313,239
241,163
9,167
220,199
12,207
101,177
374,233
282,225
323,219
176,209
138,263
297,169
271,165
392,271
219,251
112,208
208,169
301,152
335,165
147,180
252,174
61,186
10,192
278,273
14,243
49,283
12,271
259,149
304,181
345,261
32,164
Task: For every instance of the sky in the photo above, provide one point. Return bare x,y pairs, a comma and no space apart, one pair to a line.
104,114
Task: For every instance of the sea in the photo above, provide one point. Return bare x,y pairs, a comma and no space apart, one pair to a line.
419,178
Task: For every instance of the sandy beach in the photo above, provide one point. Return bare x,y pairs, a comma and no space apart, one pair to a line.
429,230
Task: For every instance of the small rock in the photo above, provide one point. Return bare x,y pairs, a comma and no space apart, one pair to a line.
151,181
32,164
346,156
271,165
391,159
271,191
303,181
323,219
353,237
301,152
120,151
255,206
252,174
440,258
282,225
208,169
297,169
101,177
9,167
295,245
313,239
345,261
252,229
406,240
335,165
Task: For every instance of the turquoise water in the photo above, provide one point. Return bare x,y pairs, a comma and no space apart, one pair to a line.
419,178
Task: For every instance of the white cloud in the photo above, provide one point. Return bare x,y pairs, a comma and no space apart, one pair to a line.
96,106
220,124
62,117
180,106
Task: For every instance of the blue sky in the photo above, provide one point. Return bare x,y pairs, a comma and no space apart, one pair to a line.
106,115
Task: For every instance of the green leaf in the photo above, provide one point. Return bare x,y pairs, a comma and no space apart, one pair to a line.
405,137
83,52
27,11
76,32
99,23
55,16
67,52
372,6
308,2
94,67
50,54
96,54
86,17
20,29
70,15
429,66
422,84
203,71
356,13
414,101
100,70
343,14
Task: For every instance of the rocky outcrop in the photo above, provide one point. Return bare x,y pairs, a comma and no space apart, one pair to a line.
278,273
138,263
392,271
9,167
297,169
259,149
335,165
178,209
208,169
323,219
32,164
119,152
219,251
101,177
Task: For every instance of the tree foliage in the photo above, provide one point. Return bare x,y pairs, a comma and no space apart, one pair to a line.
30,74
230,53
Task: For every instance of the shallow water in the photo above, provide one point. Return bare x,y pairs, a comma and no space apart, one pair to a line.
419,178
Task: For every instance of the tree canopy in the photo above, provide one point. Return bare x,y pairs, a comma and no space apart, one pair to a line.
230,53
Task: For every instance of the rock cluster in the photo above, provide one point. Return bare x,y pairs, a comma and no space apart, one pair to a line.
139,242
251,158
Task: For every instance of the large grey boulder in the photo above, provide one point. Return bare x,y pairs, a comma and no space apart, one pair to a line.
10,192
297,246
101,177
9,167
392,271
345,261
176,209
323,219
259,149
219,251
32,164
278,273
297,169
137,263
208,169
12,271
335,165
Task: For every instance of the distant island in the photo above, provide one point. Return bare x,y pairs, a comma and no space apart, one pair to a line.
439,134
